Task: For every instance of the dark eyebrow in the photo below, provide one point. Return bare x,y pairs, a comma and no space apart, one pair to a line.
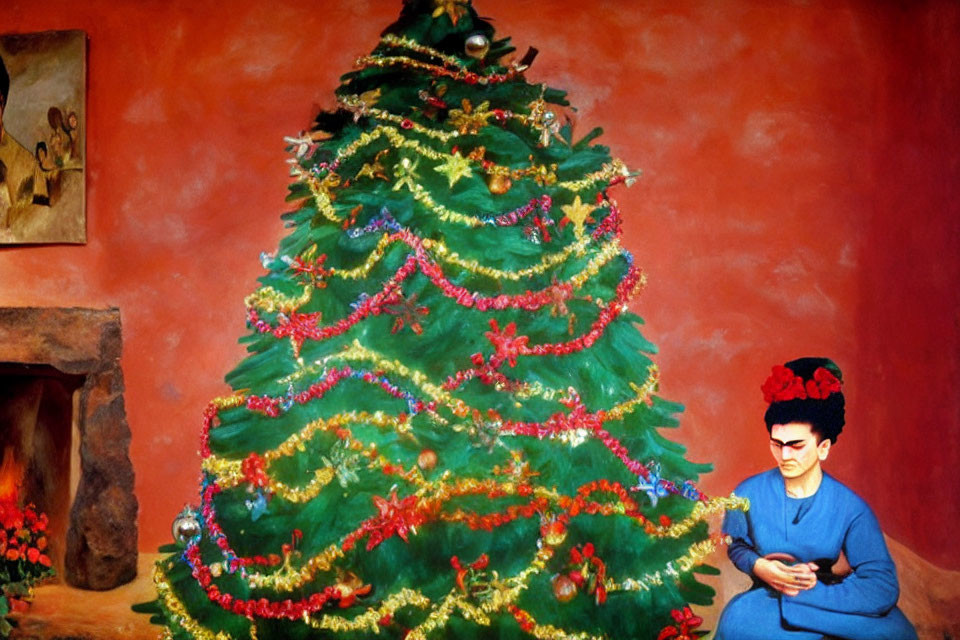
792,443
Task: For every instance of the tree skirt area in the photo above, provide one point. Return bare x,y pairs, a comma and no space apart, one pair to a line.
929,597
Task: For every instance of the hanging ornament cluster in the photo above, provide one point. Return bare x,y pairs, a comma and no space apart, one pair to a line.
553,531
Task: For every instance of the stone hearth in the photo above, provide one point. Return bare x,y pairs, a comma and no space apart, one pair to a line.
85,344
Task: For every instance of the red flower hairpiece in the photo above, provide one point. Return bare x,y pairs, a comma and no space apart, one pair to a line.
783,384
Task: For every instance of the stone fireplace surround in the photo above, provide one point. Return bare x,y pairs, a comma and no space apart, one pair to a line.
101,545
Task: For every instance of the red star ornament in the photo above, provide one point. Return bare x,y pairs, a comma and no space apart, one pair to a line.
507,344
395,517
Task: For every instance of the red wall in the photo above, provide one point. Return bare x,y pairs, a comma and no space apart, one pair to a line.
799,197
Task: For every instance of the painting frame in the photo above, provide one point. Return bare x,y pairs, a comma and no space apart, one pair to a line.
43,140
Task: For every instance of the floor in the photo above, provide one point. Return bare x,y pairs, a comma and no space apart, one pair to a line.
60,612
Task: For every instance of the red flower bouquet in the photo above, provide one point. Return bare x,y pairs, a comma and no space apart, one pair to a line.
23,554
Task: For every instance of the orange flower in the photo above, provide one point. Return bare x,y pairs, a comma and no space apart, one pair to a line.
12,554
33,554
45,560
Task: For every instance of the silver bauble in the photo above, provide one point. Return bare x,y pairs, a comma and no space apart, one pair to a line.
477,46
549,118
186,526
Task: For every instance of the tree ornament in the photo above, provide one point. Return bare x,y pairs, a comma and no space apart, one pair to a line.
349,586
454,9
427,459
186,526
374,170
554,532
395,516
407,313
564,589
588,571
578,213
651,483
507,343
486,432
518,470
499,183
360,105
550,129
257,506
406,175
309,268
469,119
477,46
455,167
344,462
686,622
433,101
302,146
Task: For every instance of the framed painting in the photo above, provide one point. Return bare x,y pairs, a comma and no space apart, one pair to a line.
43,137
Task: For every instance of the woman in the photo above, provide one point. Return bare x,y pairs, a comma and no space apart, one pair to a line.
801,522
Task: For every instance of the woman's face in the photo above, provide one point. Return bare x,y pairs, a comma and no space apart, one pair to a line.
795,448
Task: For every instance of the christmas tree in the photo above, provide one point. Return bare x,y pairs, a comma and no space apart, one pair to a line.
446,426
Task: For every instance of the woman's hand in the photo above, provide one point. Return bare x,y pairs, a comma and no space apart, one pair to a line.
787,579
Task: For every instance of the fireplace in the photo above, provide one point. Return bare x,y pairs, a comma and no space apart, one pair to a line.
37,443
64,437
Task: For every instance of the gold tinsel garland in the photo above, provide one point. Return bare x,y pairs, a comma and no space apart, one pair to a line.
393,40
370,621
322,188
178,612
270,300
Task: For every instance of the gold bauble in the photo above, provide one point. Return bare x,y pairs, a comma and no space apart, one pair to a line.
477,46
564,589
499,184
427,459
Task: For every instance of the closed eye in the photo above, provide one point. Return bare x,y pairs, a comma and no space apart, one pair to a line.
795,444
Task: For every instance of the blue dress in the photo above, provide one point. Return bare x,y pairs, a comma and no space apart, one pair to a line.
815,529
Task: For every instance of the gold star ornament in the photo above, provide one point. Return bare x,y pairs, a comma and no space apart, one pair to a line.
469,120
578,213
454,168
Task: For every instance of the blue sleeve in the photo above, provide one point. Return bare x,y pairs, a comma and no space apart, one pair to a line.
741,550
863,605
872,588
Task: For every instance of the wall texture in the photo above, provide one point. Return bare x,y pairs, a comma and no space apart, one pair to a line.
799,197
